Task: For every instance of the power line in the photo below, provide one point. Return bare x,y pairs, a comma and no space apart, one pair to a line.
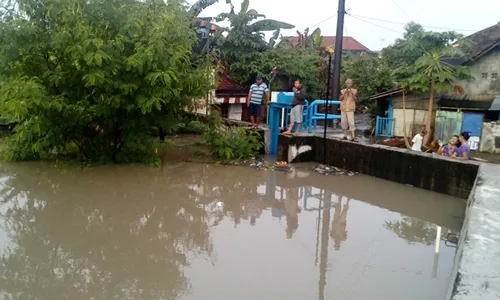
374,24
401,9
402,23
317,24
390,22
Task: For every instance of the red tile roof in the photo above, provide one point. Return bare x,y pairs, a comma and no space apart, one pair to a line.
226,86
225,83
348,43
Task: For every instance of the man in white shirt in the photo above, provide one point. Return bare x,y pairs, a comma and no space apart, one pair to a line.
418,140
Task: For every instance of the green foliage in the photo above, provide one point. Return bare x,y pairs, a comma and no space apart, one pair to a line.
94,78
303,64
305,40
431,69
245,39
371,75
200,5
415,43
230,143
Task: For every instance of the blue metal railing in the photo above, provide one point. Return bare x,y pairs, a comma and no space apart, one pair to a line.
384,127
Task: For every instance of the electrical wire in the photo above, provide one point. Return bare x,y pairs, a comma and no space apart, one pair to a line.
401,9
317,24
390,22
377,25
402,23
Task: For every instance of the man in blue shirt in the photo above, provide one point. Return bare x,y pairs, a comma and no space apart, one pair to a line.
254,100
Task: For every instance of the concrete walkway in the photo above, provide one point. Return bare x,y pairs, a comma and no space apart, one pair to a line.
476,274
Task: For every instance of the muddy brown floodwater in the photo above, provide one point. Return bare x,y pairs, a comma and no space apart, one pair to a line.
196,232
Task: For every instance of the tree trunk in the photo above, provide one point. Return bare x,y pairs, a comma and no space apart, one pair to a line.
162,134
407,143
430,114
116,138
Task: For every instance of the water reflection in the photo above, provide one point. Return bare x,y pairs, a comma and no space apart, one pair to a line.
132,233
339,224
291,207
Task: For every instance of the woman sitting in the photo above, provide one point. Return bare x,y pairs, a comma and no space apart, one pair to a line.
450,149
464,148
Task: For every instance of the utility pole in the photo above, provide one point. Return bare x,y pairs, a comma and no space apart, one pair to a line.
338,49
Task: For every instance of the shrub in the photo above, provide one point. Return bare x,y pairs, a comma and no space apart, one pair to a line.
230,142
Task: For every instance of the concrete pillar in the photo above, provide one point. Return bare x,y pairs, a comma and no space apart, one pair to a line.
234,112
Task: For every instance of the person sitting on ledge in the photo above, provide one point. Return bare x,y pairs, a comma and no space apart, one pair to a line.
450,149
464,149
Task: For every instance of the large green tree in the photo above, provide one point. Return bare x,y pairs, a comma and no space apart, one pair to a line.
245,40
371,75
94,77
416,42
433,74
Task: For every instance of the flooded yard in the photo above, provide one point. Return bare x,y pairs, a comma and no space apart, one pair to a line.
194,231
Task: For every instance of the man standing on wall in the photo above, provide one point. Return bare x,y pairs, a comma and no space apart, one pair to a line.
254,100
297,112
348,98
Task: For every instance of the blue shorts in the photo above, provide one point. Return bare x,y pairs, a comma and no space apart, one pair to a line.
254,110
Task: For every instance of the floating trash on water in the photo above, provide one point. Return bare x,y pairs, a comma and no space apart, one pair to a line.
330,170
220,204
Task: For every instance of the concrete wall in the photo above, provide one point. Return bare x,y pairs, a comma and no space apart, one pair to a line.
423,170
415,120
476,272
488,64
490,137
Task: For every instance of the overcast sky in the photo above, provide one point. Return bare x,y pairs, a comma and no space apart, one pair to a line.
464,16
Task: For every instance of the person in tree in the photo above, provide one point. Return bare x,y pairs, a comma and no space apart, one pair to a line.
254,100
297,112
464,149
348,98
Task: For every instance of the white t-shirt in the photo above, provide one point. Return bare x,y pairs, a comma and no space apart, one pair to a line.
417,142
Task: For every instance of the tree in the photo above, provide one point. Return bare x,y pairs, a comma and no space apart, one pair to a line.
433,74
370,74
303,64
413,230
415,43
245,38
305,40
93,78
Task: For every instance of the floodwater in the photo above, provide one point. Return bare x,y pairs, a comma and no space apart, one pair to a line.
193,231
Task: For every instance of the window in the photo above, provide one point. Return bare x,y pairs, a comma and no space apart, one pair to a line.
484,75
494,75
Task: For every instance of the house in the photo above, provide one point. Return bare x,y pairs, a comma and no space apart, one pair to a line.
476,111
349,44
229,97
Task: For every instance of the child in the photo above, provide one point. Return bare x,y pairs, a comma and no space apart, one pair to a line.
418,140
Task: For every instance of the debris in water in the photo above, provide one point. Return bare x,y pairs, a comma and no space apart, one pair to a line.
330,170
220,204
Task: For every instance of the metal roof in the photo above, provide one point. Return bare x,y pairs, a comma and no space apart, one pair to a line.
495,105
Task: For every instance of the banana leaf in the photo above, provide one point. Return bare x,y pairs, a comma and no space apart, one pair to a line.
269,25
